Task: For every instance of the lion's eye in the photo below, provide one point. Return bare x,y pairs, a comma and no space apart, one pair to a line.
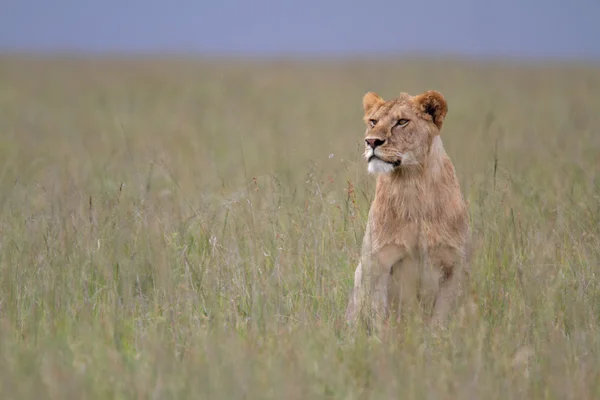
372,122
402,122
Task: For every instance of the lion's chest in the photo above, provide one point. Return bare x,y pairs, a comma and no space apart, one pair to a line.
416,234
418,218
414,237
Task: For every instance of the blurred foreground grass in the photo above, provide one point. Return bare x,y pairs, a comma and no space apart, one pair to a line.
188,229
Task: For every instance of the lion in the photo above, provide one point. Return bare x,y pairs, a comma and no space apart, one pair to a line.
417,238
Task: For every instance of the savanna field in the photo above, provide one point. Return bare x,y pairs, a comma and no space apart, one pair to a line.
189,229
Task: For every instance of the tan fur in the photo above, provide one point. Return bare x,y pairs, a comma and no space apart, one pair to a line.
414,251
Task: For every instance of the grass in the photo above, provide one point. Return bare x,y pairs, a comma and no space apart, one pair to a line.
190,229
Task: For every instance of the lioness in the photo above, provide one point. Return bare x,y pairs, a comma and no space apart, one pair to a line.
414,250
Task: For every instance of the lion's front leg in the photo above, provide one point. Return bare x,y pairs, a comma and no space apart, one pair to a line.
370,295
355,296
452,285
357,299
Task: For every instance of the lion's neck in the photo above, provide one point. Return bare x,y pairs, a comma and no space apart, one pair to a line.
419,193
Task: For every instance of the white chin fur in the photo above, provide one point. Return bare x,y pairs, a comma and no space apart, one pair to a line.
376,166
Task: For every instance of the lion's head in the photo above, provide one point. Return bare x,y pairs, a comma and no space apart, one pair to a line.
400,131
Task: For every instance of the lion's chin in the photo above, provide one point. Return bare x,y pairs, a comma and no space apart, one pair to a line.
378,166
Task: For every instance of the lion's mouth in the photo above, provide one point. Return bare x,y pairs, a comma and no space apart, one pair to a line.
395,164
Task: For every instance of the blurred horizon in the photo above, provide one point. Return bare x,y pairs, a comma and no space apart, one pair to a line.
465,28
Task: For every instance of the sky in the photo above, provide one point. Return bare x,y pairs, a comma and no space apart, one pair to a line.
513,28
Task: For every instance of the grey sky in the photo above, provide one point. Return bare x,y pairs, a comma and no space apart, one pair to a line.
532,28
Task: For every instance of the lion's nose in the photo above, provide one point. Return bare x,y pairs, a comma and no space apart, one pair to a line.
374,142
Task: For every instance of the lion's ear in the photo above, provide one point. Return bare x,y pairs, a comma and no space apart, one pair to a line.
371,100
432,103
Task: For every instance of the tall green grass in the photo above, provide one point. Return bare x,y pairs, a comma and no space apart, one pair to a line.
189,229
